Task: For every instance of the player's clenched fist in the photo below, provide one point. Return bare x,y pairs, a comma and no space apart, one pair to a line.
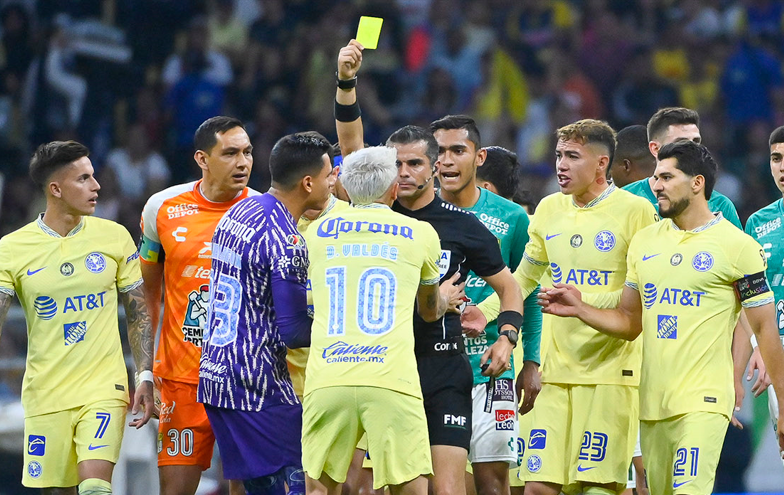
349,60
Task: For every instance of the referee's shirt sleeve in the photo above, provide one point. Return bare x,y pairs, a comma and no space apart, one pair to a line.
429,274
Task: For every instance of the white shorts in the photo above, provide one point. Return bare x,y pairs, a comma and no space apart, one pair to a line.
494,433
632,481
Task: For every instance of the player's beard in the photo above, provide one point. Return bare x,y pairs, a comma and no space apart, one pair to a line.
675,209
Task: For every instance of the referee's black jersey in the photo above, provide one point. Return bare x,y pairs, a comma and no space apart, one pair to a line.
466,245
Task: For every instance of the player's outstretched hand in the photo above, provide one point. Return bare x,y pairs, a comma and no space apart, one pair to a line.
142,402
560,300
349,60
497,358
454,293
763,380
473,321
529,384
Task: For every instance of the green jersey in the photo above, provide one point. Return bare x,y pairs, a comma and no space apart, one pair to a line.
717,202
765,226
507,221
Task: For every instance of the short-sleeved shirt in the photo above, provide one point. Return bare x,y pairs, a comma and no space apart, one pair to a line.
466,245
177,228
717,202
508,222
765,226
687,285
367,264
585,247
68,289
243,360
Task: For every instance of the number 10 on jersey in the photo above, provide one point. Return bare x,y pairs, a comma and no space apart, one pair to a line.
376,294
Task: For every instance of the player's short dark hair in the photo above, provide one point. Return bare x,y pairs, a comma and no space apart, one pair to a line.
296,155
693,160
632,143
589,131
51,157
777,136
413,134
459,122
502,169
205,137
665,117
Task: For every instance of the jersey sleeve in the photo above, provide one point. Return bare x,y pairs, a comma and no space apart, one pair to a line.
129,272
644,216
748,277
7,285
519,240
483,253
150,248
751,224
430,274
289,275
532,328
632,255
728,211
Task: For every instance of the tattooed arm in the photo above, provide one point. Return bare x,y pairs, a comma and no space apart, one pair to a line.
140,338
5,303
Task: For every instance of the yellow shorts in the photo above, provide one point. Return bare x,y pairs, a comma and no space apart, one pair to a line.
297,361
581,434
334,419
681,453
58,441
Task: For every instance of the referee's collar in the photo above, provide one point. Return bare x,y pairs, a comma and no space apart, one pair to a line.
51,232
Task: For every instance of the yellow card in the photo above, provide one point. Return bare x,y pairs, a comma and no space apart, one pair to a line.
368,31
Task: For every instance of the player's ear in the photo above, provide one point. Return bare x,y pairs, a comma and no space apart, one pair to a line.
54,189
697,183
653,146
200,157
395,188
481,157
627,165
307,184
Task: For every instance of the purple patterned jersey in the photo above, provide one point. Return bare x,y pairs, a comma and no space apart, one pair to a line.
257,256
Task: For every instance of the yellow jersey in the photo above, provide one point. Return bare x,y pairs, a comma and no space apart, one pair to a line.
585,247
686,281
366,266
68,289
297,359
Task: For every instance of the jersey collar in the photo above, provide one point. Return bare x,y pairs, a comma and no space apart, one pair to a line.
597,199
372,205
52,233
716,219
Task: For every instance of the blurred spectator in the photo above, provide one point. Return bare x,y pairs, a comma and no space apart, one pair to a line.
138,169
228,34
751,76
211,64
641,93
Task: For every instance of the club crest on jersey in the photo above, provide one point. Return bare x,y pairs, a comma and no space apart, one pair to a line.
556,272
95,262
534,463
34,469
576,240
676,259
66,269
196,315
604,241
702,261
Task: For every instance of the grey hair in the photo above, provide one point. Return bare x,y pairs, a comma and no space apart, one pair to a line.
368,173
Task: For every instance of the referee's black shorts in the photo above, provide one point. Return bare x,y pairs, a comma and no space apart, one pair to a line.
447,381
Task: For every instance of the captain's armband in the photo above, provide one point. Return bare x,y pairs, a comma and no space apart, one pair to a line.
751,286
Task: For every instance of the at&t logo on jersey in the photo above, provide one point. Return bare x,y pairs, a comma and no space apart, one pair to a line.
557,273
604,241
95,262
702,261
504,419
671,296
537,439
74,332
667,327
196,315
649,295
45,307
36,445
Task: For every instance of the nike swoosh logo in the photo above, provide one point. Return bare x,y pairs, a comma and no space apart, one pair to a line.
675,484
548,237
93,447
580,468
34,271
646,258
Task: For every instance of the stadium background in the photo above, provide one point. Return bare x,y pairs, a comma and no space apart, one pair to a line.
134,78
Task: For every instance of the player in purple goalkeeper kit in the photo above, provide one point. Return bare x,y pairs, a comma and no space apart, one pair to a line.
257,308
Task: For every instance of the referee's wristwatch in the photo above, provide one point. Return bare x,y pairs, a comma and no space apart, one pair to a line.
511,335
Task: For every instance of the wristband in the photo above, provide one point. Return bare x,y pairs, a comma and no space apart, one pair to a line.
347,113
753,341
345,83
509,318
143,376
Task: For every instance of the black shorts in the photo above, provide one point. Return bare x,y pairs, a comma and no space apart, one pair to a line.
446,382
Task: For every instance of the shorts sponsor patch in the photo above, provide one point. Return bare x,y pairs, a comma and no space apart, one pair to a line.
504,390
504,419
534,463
751,286
537,439
711,400
36,445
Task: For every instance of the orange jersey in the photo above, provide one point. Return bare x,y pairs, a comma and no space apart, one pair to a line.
177,228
